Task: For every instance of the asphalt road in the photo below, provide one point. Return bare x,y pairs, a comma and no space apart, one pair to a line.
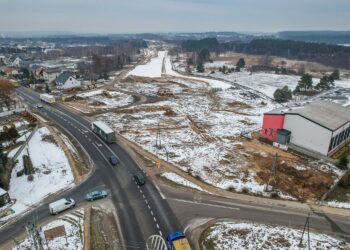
141,211
190,207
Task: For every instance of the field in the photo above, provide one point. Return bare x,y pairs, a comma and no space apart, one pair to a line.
245,235
200,127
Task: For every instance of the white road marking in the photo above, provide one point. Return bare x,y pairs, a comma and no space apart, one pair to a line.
143,196
161,194
206,204
152,212
149,207
160,233
157,226
154,218
187,228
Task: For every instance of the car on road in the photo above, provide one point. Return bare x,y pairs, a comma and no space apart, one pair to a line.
61,205
140,180
113,160
39,106
96,195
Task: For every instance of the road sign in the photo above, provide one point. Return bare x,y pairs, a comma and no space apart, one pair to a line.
156,242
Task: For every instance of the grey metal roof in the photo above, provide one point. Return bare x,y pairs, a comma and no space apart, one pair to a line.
63,77
326,113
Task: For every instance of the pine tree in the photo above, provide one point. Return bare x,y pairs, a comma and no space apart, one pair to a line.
335,75
304,83
326,82
241,63
283,95
200,67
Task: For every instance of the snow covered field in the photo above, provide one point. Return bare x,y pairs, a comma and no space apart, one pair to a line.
74,233
197,134
151,69
108,99
52,171
244,235
180,180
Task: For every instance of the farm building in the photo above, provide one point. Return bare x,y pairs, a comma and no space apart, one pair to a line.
322,126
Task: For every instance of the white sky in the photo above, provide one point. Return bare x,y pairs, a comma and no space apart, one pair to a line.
129,16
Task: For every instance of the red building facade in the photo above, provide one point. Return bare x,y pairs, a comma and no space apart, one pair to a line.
272,122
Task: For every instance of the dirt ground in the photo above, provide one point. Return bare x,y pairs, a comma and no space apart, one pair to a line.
103,229
296,65
307,184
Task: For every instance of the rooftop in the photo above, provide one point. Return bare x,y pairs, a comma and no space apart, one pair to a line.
103,126
63,77
2,192
326,113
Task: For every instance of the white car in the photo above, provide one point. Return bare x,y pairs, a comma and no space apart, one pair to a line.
61,205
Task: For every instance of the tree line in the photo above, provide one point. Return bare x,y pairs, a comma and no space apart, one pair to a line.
327,54
306,86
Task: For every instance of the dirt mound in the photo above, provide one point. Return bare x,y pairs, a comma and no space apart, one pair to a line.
132,78
301,184
143,109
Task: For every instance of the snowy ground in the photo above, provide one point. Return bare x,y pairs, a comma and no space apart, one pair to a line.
74,238
180,180
52,171
337,204
231,235
197,134
151,69
106,99
200,128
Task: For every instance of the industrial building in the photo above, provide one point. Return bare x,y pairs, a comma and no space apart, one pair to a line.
322,127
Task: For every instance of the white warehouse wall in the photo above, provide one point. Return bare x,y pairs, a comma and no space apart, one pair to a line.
308,134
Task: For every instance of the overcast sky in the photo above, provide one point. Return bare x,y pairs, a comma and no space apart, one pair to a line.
130,16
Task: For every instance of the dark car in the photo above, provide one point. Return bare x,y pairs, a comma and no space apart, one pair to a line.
140,180
113,160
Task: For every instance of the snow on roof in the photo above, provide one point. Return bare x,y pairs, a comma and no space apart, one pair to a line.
103,126
326,113
2,192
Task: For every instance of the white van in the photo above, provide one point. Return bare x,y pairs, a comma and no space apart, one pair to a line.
61,205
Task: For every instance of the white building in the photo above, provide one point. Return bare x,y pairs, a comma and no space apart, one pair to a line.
16,62
66,80
322,126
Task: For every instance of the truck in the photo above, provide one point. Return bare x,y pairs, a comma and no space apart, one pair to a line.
178,241
61,205
47,98
103,131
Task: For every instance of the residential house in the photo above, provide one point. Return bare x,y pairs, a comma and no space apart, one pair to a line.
50,74
10,71
16,62
67,80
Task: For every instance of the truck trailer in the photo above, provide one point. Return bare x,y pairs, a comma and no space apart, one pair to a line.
47,98
178,241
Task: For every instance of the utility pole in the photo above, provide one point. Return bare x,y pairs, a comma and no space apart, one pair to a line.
307,224
273,172
158,140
